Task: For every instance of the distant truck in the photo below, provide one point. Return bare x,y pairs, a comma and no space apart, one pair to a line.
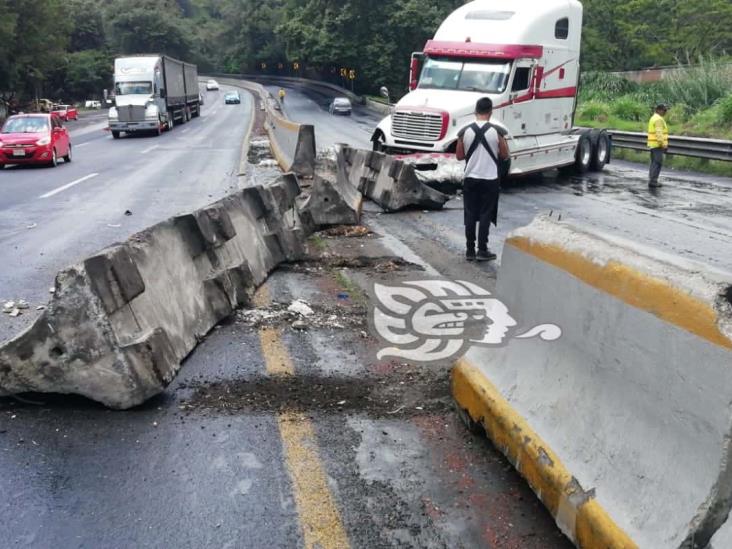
524,55
152,93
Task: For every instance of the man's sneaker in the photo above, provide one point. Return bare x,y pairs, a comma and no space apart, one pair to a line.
486,255
470,255
654,184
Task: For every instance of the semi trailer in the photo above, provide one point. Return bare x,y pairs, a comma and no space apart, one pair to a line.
152,93
525,56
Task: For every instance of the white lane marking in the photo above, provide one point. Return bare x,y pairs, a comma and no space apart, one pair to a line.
68,185
150,149
184,131
81,145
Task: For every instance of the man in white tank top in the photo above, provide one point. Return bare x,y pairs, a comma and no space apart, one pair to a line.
482,147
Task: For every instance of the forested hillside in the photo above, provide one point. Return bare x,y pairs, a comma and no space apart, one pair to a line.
64,48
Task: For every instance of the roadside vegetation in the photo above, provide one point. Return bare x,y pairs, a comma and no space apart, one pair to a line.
63,49
700,98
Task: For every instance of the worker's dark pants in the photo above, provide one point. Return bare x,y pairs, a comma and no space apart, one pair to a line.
656,165
480,203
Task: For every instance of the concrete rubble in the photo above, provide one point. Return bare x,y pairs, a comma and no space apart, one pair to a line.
119,323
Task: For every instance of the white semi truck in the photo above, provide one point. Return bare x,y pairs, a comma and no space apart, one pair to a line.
524,55
152,93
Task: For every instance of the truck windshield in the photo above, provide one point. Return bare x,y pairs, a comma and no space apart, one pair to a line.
487,76
133,88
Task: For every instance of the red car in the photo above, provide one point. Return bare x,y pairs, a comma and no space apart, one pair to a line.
34,139
66,112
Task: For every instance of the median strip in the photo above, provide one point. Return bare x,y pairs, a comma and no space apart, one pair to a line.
68,185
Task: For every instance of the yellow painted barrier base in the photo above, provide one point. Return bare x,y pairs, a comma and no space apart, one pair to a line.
575,510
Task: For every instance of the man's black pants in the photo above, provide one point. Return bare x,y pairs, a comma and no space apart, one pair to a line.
480,203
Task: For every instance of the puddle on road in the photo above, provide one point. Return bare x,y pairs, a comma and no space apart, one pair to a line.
399,394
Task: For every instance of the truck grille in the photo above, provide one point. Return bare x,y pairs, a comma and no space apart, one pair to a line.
423,126
131,113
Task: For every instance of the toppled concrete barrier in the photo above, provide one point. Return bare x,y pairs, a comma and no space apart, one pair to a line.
331,203
120,322
389,182
623,426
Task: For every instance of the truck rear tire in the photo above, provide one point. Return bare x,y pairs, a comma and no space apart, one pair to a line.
583,156
601,151
115,134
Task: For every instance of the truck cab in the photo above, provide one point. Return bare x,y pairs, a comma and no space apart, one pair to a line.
152,92
524,55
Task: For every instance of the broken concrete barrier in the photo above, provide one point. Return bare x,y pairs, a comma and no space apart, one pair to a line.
623,426
120,322
389,182
331,203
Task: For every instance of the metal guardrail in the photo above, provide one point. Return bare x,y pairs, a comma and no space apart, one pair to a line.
695,147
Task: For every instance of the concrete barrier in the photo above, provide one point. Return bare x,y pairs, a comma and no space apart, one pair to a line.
331,203
292,144
623,425
120,322
389,182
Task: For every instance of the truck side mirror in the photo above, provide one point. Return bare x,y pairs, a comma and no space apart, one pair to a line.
384,92
162,93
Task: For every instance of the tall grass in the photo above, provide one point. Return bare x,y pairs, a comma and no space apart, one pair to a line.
699,86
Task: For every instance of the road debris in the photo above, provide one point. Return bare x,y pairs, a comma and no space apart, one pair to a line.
300,307
300,325
348,231
423,392
335,316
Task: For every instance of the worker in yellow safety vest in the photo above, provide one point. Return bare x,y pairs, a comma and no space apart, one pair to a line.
658,143
282,94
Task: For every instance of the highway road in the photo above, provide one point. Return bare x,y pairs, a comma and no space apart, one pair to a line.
52,217
273,436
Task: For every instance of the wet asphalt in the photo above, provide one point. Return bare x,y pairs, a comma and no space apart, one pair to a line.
203,465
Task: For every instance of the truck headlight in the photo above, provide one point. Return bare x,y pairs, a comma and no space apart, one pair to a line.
113,114
151,112
44,141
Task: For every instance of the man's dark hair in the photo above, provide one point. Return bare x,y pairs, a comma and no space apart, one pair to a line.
484,105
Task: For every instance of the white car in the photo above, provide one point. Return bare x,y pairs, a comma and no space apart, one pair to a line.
212,85
340,105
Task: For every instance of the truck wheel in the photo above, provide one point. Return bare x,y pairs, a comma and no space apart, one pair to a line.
583,156
115,134
171,123
601,151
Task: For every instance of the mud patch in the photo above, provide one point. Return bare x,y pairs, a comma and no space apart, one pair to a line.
402,394
347,231
381,264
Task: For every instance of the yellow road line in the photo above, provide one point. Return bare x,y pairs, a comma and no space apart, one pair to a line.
320,521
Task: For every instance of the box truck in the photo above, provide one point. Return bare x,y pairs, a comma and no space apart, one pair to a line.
525,56
152,93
